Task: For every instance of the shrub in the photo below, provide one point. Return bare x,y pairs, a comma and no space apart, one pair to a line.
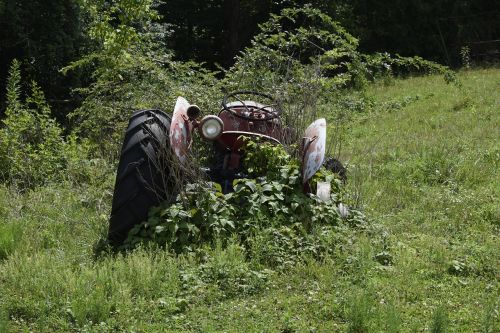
131,69
382,64
288,45
269,207
33,150
299,56
306,59
31,143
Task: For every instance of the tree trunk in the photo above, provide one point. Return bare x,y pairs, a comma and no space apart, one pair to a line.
231,30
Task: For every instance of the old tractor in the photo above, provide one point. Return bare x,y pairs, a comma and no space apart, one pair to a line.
156,150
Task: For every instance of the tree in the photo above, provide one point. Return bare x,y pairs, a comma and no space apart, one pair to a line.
212,31
44,36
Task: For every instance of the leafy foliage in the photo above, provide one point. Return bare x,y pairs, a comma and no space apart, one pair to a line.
305,59
290,44
382,64
131,69
271,205
31,145
301,38
33,149
44,36
206,31
119,27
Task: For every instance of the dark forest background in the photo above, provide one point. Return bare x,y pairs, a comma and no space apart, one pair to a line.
46,35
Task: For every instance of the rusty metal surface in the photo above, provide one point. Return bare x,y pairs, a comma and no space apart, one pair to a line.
180,130
313,149
266,127
234,126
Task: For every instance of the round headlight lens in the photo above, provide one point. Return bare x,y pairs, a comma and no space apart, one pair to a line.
211,127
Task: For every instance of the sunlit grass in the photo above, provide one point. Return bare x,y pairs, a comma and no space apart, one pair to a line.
427,155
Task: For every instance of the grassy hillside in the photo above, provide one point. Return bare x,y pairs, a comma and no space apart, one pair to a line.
424,158
429,157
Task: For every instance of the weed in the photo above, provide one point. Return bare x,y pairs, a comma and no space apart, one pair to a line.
272,205
439,321
359,313
465,56
29,137
10,235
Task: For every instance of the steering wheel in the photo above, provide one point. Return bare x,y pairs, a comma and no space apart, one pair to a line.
257,106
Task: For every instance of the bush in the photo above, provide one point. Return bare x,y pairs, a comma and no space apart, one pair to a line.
379,65
306,59
33,150
270,207
299,56
31,143
131,70
290,44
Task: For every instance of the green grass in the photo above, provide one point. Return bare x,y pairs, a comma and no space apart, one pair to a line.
430,174
424,159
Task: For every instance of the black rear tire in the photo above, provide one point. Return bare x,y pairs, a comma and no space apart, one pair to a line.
144,175
335,166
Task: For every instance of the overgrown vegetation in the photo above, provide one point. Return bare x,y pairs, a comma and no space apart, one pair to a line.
32,150
303,57
428,258
423,165
271,208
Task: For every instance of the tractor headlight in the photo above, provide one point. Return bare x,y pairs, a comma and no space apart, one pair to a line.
211,127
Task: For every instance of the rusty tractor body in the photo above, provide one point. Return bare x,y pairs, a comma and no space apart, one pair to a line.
240,118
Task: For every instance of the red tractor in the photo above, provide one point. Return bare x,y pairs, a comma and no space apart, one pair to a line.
156,151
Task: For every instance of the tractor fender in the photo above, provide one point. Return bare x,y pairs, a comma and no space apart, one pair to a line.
313,149
180,130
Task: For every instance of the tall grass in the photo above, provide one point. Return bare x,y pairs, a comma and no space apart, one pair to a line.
430,184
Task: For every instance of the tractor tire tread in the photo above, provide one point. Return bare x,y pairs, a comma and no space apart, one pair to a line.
137,175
